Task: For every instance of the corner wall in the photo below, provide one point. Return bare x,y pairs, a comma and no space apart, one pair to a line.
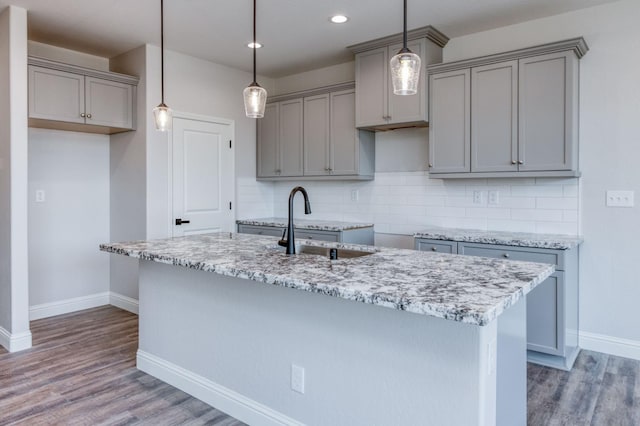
14,263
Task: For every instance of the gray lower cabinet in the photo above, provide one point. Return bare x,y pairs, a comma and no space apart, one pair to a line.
351,236
66,97
507,115
552,307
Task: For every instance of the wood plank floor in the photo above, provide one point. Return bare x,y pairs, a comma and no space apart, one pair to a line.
81,371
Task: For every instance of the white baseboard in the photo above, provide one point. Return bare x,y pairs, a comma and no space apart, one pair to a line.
66,306
610,345
218,396
123,302
15,342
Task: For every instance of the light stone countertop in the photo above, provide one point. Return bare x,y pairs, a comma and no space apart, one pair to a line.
318,225
467,289
517,239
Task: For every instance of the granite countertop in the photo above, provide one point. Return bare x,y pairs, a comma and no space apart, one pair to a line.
467,289
318,225
517,239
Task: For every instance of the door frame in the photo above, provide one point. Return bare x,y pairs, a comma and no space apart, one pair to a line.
206,119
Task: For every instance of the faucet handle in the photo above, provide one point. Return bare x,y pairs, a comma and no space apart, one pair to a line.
282,241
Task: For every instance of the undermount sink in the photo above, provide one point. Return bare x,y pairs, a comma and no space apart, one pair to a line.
331,252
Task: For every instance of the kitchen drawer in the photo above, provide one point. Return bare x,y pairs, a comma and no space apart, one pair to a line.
316,235
450,247
260,230
554,257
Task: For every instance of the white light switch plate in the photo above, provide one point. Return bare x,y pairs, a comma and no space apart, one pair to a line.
620,199
297,378
40,196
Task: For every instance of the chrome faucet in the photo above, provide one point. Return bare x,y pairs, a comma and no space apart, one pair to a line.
290,242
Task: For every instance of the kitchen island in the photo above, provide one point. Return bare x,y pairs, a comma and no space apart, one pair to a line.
392,337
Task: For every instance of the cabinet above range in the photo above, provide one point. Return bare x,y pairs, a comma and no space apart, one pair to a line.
513,114
68,97
377,108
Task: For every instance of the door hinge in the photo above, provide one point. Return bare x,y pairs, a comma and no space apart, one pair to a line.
229,144
229,205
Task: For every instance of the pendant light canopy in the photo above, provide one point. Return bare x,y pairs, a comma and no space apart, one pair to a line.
405,66
162,113
255,97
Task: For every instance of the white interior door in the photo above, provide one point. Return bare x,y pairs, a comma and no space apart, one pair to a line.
203,177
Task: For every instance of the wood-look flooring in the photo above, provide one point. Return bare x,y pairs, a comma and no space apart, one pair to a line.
81,371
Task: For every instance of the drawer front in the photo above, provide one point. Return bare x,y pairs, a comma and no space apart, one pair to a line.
554,257
303,234
438,246
260,230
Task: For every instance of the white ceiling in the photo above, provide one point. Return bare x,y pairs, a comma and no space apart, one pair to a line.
296,33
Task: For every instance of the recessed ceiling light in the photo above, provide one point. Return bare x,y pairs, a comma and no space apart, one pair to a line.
253,45
338,19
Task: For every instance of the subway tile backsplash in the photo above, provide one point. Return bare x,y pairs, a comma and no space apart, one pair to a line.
404,202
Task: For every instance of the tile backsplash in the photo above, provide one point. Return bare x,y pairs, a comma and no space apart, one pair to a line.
404,202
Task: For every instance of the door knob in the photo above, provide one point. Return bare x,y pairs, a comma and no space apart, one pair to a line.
180,221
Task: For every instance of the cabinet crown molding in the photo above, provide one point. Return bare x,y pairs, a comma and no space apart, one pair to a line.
105,75
429,32
578,45
312,92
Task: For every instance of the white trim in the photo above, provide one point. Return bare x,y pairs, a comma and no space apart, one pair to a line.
610,345
66,306
123,302
15,342
216,395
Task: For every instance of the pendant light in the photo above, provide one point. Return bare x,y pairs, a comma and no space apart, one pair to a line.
405,66
162,113
255,97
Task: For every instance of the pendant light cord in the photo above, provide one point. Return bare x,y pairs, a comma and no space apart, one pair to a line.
162,49
255,47
404,34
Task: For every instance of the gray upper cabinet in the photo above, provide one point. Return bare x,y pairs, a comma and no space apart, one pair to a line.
67,97
449,135
314,138
377,108
523,114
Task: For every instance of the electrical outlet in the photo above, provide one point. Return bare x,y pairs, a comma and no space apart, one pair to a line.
297,378
477,197
40,196
355,195
620,199
493,198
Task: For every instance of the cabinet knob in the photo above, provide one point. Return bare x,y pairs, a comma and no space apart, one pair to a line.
82,114
520,162
430,165
434,249
506,255
310,237
88,115
514,162
278,171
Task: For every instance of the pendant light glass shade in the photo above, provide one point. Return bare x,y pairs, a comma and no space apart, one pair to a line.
255,97
405,73
162,113
405,66
163,116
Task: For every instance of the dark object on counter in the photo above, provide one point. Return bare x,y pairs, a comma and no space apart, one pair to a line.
290,242
333,254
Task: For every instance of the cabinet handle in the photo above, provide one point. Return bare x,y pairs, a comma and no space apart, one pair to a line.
520,162
309,237
88,115
259,232
83,115
506,255
434,249
514,162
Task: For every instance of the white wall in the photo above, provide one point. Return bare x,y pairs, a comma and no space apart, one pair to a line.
65,230
609,149
14,268
67,56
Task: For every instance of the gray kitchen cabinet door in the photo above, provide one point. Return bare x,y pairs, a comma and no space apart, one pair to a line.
449,127
268,134
344,146
548,112
494,117
546,317
56,95
372,77
407,109
108,103
450,247
317,134
291,134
